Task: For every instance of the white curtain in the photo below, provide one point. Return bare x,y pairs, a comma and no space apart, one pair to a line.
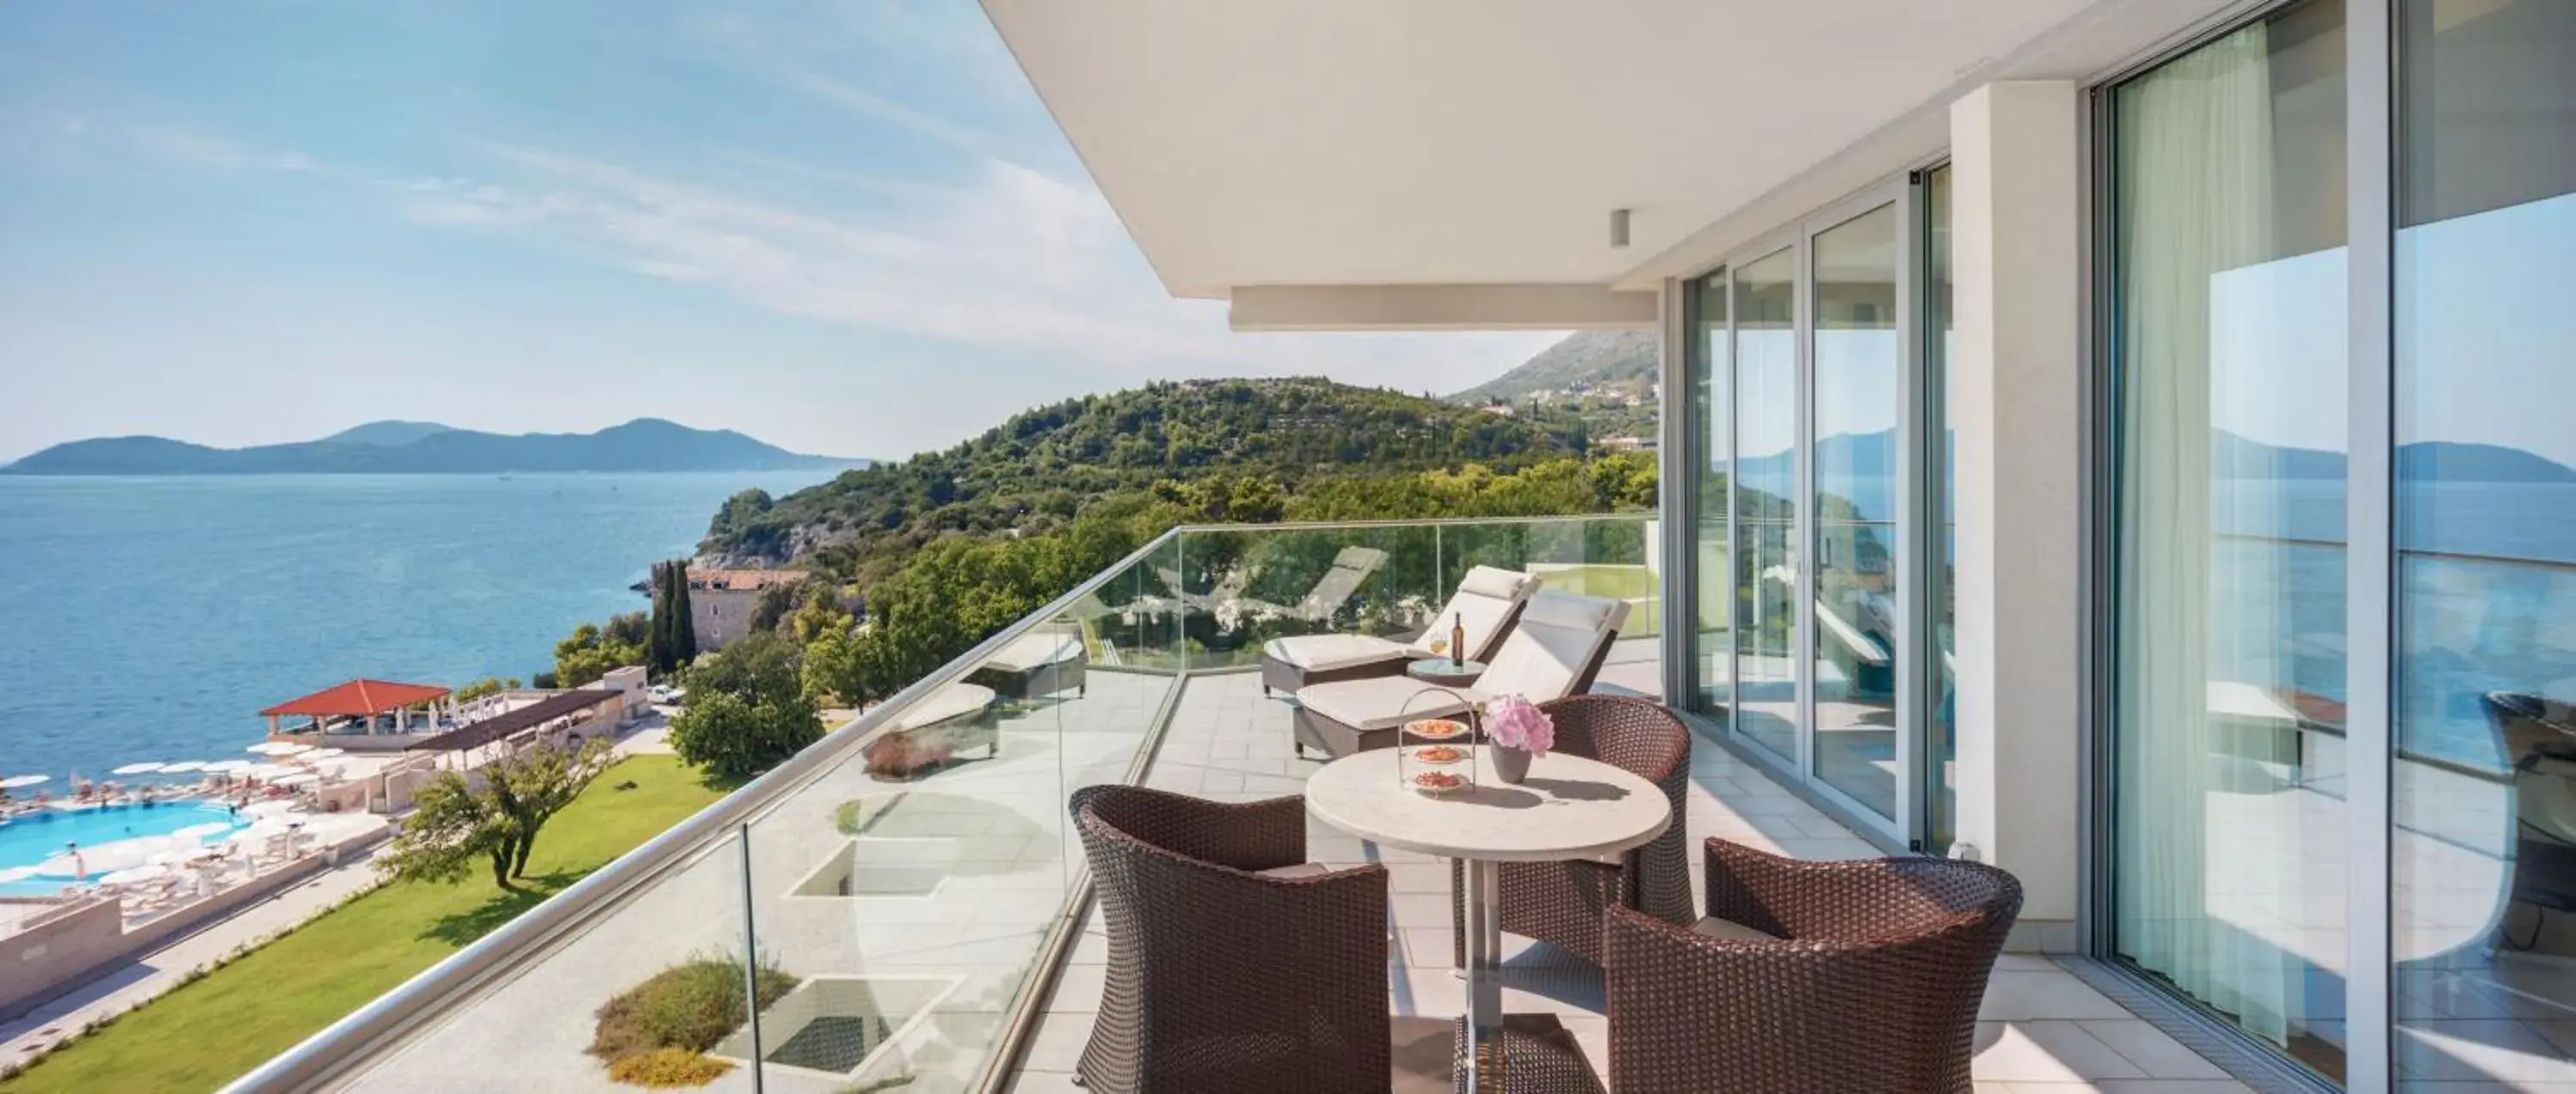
2195,177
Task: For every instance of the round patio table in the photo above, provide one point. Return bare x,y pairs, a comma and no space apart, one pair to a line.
1444,672
1567,808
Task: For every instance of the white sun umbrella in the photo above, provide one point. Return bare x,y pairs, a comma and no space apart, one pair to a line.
278,748
228,766
13,782
201,831
183,766
297,779
144,768
270,771
320,754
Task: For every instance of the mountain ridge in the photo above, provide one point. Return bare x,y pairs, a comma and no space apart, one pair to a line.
640,445
1584,359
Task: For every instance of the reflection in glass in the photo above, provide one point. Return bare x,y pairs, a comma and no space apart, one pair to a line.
2484,837
2230,294
1766,503
1859,392
1943,542
1711,368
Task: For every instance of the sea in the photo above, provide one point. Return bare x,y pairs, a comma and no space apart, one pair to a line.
152,618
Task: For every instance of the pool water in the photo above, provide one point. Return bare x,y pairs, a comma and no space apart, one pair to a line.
32,838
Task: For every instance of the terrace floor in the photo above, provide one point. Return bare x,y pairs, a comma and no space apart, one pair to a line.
2044,1031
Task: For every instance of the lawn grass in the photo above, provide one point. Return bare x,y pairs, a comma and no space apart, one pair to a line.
205,1034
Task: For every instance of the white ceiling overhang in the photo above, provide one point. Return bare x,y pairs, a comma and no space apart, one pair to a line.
1455,143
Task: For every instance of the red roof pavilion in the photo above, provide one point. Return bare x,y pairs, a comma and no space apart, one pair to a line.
357,699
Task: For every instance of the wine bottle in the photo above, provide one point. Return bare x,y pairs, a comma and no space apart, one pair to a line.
1458,641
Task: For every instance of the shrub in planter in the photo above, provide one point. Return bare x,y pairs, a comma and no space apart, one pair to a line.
688,1007
665,1068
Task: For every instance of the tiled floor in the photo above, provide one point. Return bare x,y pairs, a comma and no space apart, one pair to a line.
2044,1031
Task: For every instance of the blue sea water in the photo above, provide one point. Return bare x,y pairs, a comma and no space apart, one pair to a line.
151,618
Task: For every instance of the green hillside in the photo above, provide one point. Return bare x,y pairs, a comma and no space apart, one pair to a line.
1039,469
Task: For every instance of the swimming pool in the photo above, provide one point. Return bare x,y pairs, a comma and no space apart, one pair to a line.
32,838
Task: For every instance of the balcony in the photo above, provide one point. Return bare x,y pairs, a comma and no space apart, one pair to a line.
918,905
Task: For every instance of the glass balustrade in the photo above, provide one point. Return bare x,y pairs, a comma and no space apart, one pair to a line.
897,892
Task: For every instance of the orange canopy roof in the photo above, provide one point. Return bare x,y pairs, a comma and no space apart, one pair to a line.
358,698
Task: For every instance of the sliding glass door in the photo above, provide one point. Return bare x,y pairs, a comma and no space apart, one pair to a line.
1768,573
2482,823
1809,401
2228,375
2288,715
1858,400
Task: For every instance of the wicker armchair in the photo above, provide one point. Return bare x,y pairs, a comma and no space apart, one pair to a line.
1562,902
1869,982
1222,977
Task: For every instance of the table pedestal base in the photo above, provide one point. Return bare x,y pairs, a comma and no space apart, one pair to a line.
1540,1053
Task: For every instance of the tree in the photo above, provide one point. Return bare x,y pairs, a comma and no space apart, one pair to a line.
590,653
684,628
489,685
661,656
748,709
628,629
821,615
491,815
740,512
777,600
830,668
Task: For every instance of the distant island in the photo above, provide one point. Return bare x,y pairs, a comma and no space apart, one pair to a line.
428,448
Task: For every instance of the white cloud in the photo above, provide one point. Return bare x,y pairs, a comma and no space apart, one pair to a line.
1016,260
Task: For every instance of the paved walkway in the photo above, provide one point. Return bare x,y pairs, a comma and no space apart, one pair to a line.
2041,1030
159,970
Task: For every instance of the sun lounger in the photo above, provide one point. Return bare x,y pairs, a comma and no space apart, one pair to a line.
1486,604
1351,569
1554,651
1040,663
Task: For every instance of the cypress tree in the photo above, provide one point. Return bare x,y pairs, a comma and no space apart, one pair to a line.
657,640
684,633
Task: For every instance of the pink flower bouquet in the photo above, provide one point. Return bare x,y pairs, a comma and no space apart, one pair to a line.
1515,722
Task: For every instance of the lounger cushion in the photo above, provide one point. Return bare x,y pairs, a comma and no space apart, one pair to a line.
1496,583
1328,652
1557,637
1485,601
1382,703
1036,650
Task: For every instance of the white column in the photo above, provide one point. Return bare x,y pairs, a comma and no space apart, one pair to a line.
2017,405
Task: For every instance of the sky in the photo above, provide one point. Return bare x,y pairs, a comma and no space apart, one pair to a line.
842,227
